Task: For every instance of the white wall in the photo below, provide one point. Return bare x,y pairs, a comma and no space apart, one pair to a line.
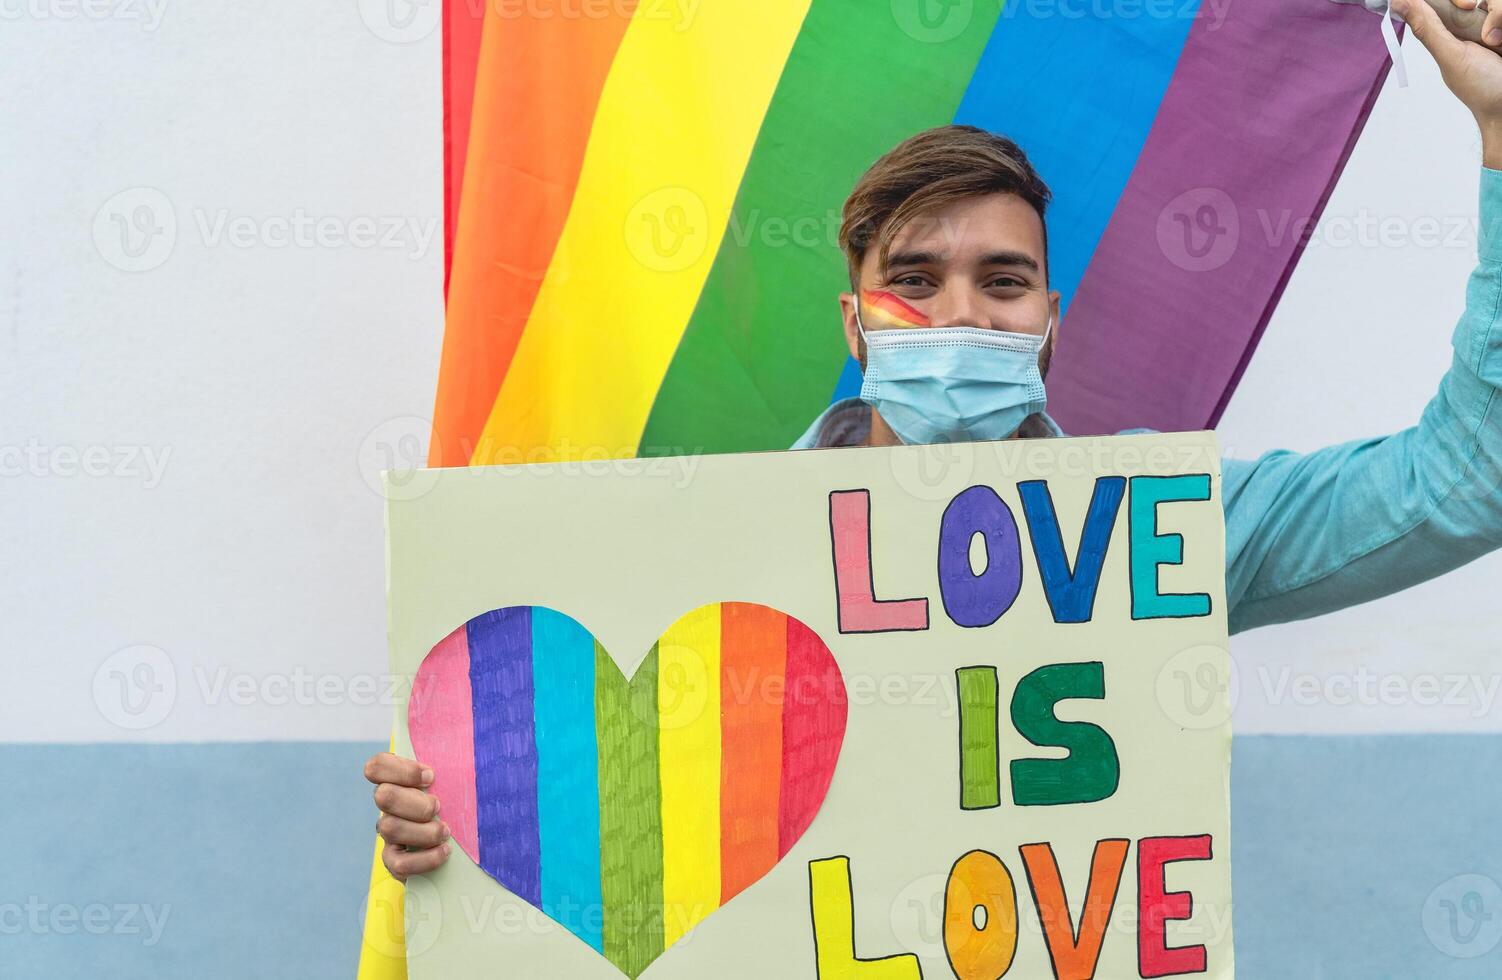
242,581
1356,349
256,366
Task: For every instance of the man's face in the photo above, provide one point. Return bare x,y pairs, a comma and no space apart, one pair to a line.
976,263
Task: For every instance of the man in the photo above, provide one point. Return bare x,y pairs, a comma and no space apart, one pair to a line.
953,322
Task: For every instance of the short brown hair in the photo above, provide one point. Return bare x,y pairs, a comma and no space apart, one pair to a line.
926,172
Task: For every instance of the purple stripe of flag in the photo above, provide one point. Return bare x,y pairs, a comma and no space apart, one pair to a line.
500,674
1254,129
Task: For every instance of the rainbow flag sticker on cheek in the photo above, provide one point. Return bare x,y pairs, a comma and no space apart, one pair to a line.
629,810
890,312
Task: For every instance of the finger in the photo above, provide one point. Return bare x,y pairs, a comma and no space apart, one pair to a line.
387,768
403,863
1431,32
411,833
1491,31
1465,4
405,802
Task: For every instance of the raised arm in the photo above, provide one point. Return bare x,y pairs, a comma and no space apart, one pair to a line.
1309,534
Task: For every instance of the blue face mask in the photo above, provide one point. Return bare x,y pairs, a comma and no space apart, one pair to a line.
952,384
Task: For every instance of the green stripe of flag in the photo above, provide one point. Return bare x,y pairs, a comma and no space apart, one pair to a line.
764,348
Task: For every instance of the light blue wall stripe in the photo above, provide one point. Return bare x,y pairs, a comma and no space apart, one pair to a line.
568,797
261,851
258,855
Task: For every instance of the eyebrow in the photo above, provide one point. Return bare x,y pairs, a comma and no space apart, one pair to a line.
1011,258
1020,259
913,258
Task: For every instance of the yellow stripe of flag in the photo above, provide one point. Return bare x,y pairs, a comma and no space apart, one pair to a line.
688,707
675,127
383,955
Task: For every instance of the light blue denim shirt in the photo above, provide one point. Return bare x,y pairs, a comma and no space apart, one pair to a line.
1310,533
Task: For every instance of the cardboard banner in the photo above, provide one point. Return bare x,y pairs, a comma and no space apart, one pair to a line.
856,713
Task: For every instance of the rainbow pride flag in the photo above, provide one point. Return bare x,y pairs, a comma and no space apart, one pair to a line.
644,202
642,206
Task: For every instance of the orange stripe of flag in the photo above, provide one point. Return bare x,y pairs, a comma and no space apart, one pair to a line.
753,654
537,87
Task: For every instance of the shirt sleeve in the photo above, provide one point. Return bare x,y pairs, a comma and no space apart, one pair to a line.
1307,534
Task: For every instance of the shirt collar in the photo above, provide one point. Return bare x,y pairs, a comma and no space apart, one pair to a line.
848,422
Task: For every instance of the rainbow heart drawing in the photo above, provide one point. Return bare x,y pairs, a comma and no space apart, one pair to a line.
628,811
